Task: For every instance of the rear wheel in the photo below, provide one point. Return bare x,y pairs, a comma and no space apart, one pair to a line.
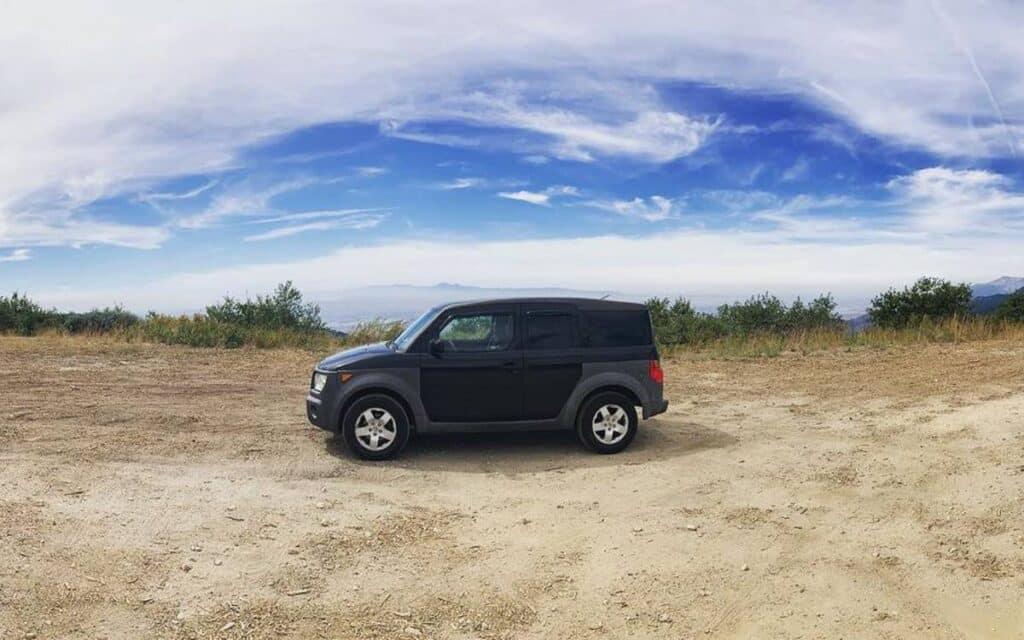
375,427
607,423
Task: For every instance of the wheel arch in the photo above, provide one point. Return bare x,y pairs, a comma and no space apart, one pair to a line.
377,390
605,388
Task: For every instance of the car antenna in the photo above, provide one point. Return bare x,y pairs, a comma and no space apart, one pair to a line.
604,297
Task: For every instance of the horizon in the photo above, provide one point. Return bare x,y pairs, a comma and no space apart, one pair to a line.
404,302
841,150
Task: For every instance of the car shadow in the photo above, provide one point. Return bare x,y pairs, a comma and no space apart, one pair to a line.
538,451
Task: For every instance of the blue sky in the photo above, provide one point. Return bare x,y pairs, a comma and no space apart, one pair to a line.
712,152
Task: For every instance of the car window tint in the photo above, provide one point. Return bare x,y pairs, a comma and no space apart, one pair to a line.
549,331
479,332
617,328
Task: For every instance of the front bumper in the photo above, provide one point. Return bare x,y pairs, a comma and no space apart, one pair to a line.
315,411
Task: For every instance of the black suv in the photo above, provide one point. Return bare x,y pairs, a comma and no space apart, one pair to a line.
529,363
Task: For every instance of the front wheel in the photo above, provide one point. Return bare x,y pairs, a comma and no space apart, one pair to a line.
607,422
375,427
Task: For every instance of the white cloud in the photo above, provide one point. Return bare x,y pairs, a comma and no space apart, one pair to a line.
18,255
532,197
371,172
542,198
653,209
951,200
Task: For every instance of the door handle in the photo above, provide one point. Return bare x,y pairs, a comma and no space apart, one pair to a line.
510,366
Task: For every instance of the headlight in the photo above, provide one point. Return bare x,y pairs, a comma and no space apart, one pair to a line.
319,380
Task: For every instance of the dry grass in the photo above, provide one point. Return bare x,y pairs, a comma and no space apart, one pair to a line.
952,331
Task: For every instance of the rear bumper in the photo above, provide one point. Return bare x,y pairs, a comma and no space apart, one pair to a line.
655,409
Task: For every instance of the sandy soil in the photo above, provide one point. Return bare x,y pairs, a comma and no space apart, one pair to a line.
150,491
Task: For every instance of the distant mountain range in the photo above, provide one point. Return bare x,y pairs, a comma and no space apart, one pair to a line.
990,296
1000,286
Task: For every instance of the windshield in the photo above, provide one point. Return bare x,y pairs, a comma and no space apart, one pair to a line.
402,342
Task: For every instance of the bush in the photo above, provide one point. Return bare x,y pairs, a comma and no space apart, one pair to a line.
1012,309
97,320
766,314
676,322
283,310
20,315
930,299
819,314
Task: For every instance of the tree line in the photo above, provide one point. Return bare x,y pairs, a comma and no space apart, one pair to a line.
929,300
283,318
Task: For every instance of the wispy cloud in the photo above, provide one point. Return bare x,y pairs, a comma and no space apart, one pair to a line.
653,209
796,171
356,222
567,132
18,255
64,228
541,198
377,213
416,133
185,195
462,183
242,200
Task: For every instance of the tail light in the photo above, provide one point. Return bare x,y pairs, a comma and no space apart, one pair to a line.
656,372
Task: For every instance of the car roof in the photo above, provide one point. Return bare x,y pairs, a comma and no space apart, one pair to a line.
585,304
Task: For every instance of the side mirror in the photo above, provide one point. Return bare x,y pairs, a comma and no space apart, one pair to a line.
436,347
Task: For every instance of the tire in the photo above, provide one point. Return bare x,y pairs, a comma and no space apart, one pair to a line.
616,416
375,427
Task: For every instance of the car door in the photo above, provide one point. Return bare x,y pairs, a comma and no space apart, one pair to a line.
478,374
553,359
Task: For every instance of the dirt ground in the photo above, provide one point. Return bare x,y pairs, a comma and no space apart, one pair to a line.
160,492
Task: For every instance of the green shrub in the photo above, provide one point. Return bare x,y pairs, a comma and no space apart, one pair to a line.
819,314
97,320
676,322
18,314
931,299
1012,309
282,310
766,314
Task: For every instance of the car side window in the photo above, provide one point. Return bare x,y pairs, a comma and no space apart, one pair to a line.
479,332
617,328
549,331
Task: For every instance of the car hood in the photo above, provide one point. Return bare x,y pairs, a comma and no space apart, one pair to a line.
351,356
